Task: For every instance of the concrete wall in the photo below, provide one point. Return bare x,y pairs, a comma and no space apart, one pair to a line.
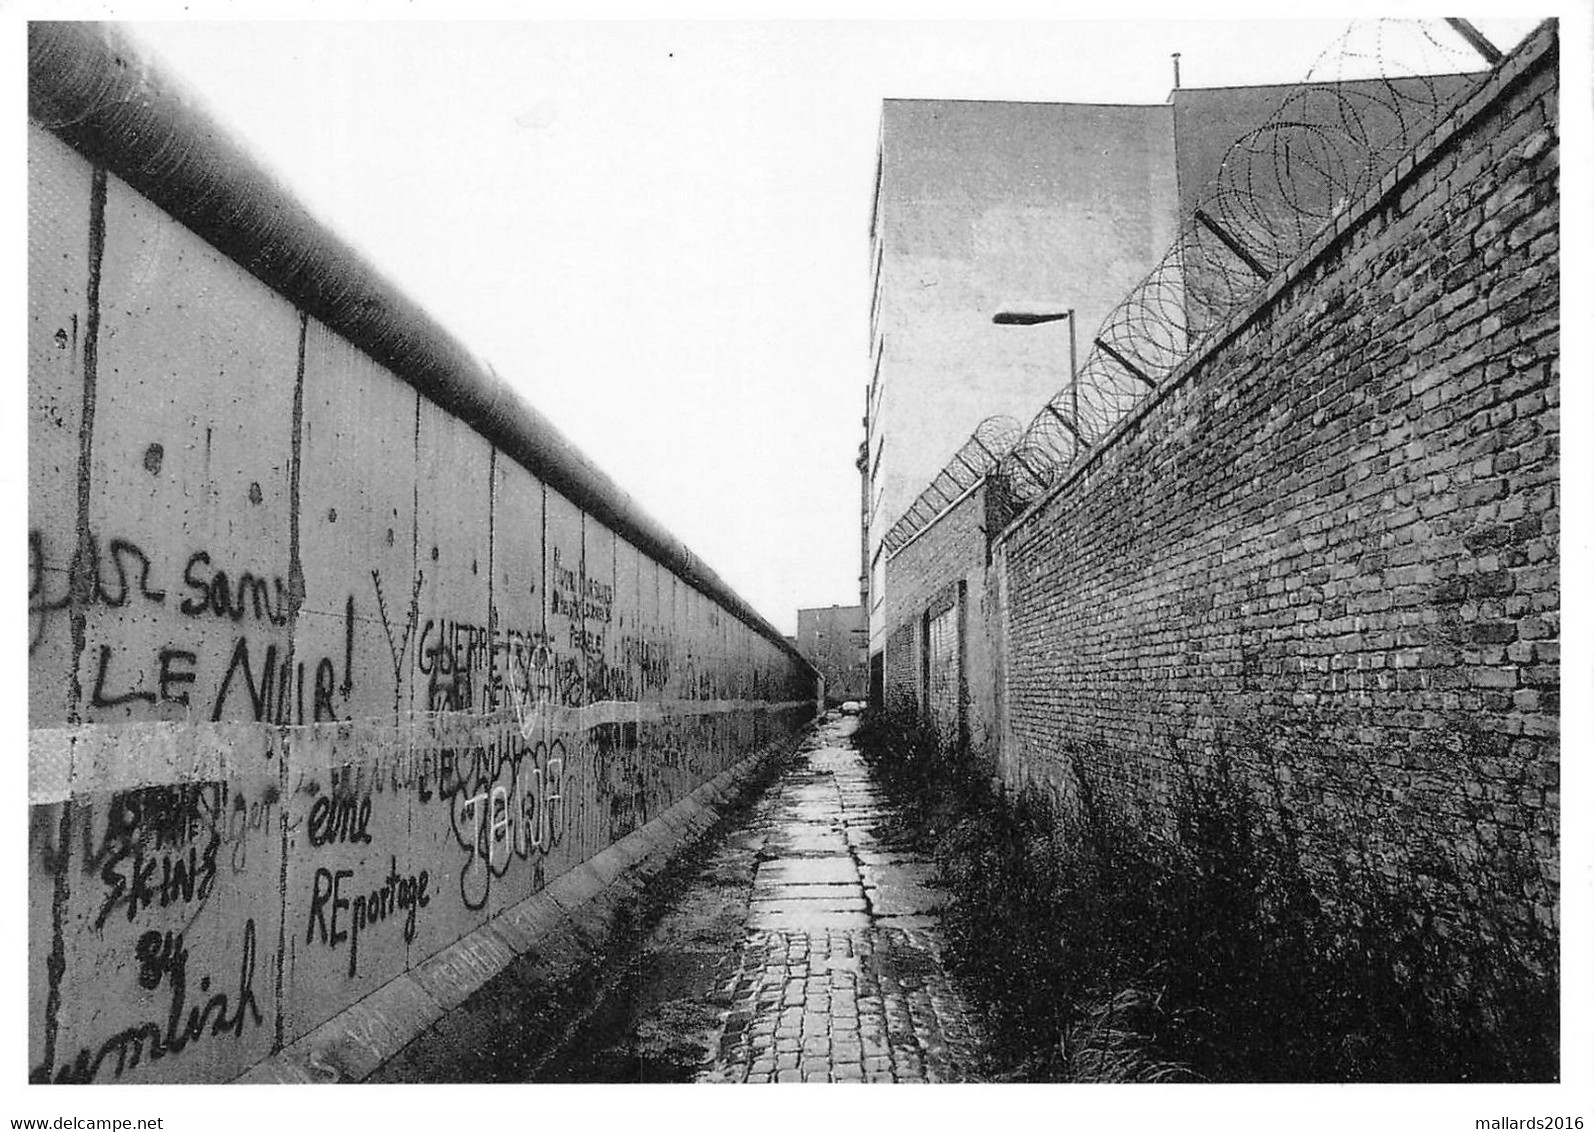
321,681
1341,525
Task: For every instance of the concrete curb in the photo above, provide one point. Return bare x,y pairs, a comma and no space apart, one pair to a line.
534,944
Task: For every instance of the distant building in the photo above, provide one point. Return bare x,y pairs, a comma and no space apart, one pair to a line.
833,639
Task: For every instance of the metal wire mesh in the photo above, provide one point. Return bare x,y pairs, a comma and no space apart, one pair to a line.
1368,100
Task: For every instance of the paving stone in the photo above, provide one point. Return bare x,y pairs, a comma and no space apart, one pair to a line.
761,907
777,891
910,904
809,921
810,870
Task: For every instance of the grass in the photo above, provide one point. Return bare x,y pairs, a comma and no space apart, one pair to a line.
1236,940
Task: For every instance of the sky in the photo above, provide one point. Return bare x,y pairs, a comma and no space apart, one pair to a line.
657,232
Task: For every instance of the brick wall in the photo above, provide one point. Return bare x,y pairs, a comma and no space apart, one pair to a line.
1340,525
923,578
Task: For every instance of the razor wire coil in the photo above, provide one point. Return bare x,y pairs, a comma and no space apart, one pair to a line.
1370,98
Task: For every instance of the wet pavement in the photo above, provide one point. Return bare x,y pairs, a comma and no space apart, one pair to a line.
806,948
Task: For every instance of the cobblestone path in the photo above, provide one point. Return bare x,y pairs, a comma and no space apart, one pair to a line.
802,948
839,975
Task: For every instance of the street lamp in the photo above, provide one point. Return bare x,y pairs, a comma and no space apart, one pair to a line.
1035,318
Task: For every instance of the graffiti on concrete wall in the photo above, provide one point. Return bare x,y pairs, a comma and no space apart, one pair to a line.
506,804
396,632
224,1009
397,897
155,869
160,848
88,579
259,677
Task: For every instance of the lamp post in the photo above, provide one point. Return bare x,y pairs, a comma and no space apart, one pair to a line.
1035,318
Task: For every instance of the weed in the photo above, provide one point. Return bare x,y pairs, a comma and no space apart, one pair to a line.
1235,939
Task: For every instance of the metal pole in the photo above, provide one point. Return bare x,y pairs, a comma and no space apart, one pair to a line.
1125,362
1477,40
1232,244
1073,366
1079,438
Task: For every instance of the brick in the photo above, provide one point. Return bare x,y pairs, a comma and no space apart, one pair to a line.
1533,628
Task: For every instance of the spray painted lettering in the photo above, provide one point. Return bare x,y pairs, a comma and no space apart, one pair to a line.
281,690
216,593
399,646
182,877
396,895
506,802
86,579
220,1016
572,594
340,820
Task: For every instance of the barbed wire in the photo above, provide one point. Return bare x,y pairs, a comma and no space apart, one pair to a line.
977,458
1371,96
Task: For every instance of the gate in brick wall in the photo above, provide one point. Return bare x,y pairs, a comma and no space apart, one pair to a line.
942,676
941,670
902,667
